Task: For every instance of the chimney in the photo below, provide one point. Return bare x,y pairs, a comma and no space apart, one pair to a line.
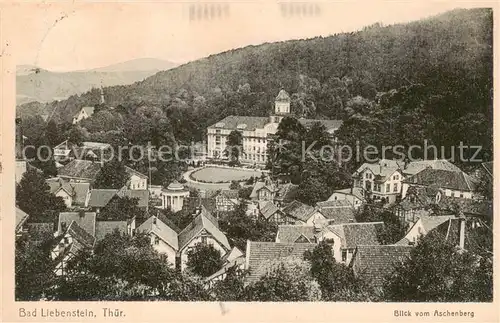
154,220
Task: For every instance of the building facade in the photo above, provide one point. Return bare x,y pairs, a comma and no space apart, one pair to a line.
256,132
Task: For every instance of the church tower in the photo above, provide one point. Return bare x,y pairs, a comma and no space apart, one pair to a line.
281,106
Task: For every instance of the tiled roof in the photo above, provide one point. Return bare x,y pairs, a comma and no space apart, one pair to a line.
78,168
355,191
232,122
329,124
362,233
78,191
258,253
81,235
103,228
339,215
415,167
374,263
141,195
442,179
230,194
21,217
163,231
132,171
101,197
283,96
268,209
334,204
298,210
290,233
196,226
85,220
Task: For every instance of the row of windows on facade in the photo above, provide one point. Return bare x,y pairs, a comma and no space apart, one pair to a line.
378,187
370,176
245,140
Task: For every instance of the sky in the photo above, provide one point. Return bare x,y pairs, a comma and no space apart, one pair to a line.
78,35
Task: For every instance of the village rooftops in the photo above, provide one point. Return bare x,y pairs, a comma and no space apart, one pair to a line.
258,254
81,235
354,234
80,169
85,220
339,215
104,228
78,191
443,179
298,210
334,204
375,262
100,197
268,209
288,233
248,123
160,229
200,223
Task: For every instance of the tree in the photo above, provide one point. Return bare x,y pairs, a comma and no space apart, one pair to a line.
394,229
234,145
244,193
112,175
235,185
33,197
232,287
121,208
204,260
337,281
287,280
437,272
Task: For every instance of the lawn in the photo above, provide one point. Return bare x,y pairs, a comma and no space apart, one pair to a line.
218,174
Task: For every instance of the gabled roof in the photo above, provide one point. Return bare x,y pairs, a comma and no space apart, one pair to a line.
85,220
83,169
108,227
443,179
160,229
200,223
262,185
334,204
268,209
88,110
258,253
283,96
81,235
362,233
415,167
131,172
78,191
291,233
232,122
101,197
299,210
287,192
339,215
374,263
21,217
355,191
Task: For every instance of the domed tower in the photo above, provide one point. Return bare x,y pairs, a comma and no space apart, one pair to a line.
173,196
281,106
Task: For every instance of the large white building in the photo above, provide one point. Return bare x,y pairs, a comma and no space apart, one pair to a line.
256,131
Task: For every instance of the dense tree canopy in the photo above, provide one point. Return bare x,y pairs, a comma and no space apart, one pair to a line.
112,175
204,260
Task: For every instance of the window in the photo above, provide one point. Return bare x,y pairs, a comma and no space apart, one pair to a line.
344,255
157,240
395,187
387,188
461,194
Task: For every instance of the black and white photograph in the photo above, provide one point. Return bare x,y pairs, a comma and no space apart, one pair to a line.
178,152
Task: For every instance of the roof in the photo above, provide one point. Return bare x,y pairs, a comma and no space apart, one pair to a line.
160,229
81,235
290,233
443,179
21,217
200,223
355,191
233,254
298,210
415,167
374,263
366,233
101,197
488,166
268,209
175,186
287,192
230,194
78,168
329,124
141,195
85,220
283,96
103,228
88,110
339,215
232,122
258,253
430,222
95,145
191,203
78,191
334,204
131,172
